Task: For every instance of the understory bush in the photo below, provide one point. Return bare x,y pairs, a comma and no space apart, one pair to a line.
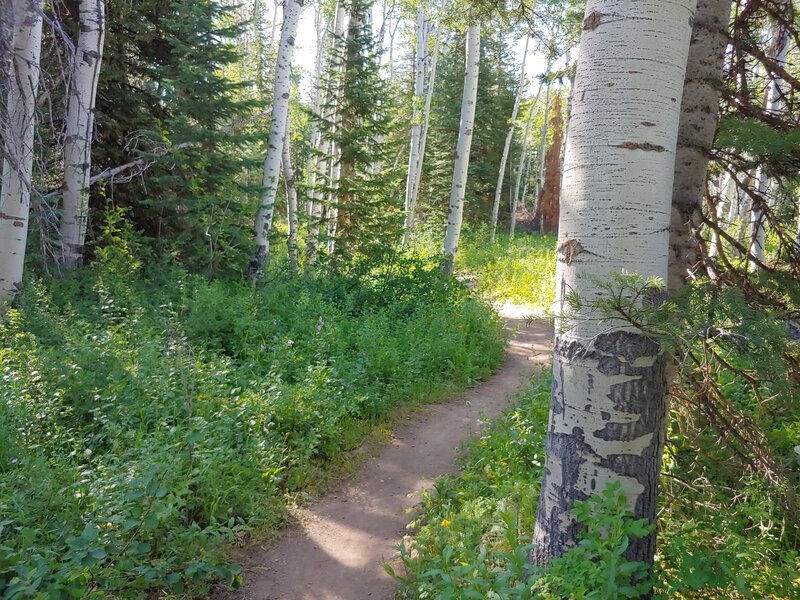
149,416
472,537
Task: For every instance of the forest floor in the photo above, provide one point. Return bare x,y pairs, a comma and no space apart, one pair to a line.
341,542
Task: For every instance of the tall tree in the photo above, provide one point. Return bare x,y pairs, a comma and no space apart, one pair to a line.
507,147
547,206
277,132
416,109
423,141
79,131
608,412
461,166
702,90
18,138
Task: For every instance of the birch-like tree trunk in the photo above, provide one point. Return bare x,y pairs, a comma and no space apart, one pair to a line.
543,141
699,116
773,104
416,117
507,147
412,210
291,199
18,130
324,161
277,131
80,131
456,213
525,158
608,411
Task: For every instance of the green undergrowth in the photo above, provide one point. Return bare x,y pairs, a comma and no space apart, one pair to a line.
149,417
473,534
521,270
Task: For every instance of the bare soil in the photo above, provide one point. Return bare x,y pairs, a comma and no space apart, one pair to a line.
341,542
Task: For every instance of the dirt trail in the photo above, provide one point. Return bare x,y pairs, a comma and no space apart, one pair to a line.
338,550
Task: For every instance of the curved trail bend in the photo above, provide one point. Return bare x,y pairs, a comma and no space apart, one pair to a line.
338,549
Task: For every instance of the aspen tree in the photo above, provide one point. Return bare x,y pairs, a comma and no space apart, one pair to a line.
412,206
80,130
461,166
325,150
277,131
773,104
291,198
507,147
608,410
702,90
416,117
18,137
525,158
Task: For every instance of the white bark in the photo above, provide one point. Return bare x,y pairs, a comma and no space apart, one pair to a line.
277,130
416,120
412,211
773,103
80,131
502,172
461,166
524,172
608,411
524,158
17,182
291,198
543,141
325,158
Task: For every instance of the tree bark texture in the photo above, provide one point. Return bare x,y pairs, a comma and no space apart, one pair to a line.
608,412
18,133
699,117
547,206
525,158
323,165
507,147
416,116
456,213
291,199
277,131
80,131
412,212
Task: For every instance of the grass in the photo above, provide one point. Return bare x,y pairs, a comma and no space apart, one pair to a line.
521,270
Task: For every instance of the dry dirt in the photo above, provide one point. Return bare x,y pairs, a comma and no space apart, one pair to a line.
338,549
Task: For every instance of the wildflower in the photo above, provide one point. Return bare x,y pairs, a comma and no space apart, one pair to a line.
446,523
289,343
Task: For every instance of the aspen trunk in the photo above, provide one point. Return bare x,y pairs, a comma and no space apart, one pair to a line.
412,212
773,103
543,142
699,115
277,131
291,199
416,121
80,131
507,147
18,131
524,163
608,411
323,166
461,166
